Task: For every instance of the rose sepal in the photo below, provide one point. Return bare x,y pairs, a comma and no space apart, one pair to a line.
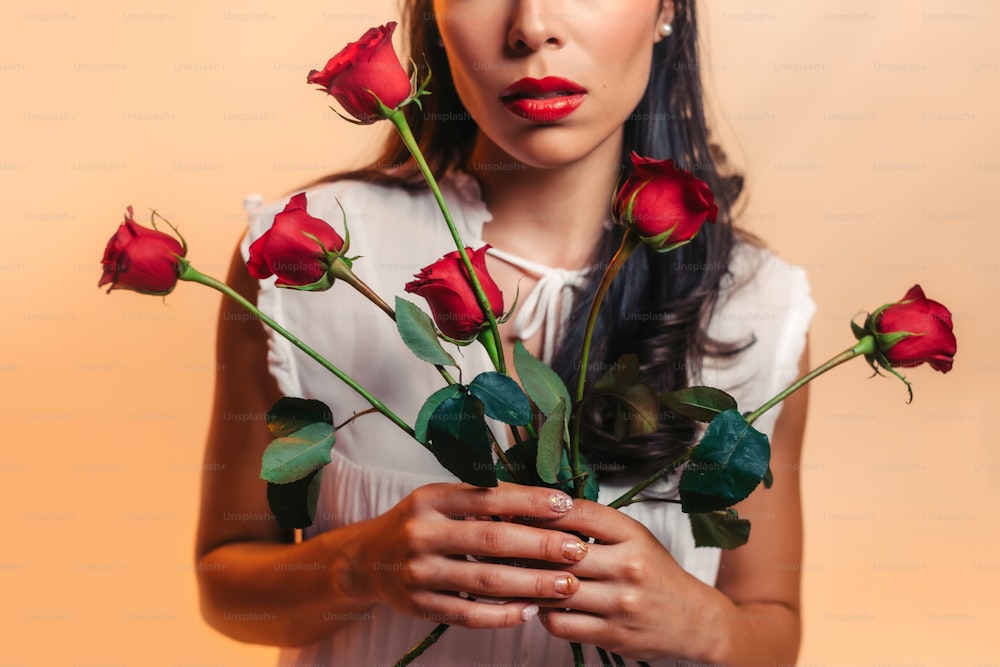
385,112
656,242
873,345
185,271
180,237
417,90
353,121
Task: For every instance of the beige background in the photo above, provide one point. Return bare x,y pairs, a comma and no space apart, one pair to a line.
869,135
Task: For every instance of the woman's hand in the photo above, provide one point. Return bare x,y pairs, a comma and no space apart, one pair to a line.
414,556
633,598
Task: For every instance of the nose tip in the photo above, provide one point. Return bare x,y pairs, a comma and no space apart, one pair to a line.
531,30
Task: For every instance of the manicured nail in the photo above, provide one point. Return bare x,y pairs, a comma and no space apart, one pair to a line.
574,550
560,502
529,612
564,585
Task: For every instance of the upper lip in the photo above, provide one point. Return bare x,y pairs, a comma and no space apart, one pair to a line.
545,87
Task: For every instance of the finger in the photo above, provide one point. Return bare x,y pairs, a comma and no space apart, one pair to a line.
610,562
577,626
510,540
538,503
494,580
591,597
453,610
605,524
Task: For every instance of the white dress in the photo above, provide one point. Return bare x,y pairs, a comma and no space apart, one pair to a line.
375,465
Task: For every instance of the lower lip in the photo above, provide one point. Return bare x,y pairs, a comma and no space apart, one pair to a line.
547,110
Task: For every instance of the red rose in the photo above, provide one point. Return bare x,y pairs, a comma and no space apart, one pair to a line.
445,285
666,206
915,330
141,259
364,70
287,251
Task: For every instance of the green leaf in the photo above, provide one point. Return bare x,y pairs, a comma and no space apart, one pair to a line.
290,414
416,328
295,456
550,444
460,440
622,375
430,405
723,529
699,403
522,457
294,504
541,383
637,408
502,398
858,330
726,466
768,480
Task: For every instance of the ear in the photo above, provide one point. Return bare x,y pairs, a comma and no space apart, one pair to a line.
666,15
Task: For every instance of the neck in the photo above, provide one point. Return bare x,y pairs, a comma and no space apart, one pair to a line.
554,216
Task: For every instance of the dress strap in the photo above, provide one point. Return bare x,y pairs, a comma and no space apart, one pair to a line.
549,303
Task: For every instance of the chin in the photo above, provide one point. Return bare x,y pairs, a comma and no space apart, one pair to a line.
556,148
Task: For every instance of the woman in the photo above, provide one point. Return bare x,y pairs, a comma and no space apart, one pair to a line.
532,175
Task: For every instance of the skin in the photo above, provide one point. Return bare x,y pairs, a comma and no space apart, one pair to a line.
551,209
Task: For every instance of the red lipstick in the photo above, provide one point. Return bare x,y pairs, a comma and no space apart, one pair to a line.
543,100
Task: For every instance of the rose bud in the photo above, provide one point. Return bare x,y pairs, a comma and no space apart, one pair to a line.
141,259
445,285
297,248
666,206
363,71
914,331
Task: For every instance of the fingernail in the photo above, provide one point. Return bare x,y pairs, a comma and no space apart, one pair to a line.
574,550
564,585
560,502
529,612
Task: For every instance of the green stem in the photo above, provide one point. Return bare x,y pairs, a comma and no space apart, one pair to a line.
399,121
361,286
864,346
626,498
629,243
423,645
492,344
502,457
191,274
578,659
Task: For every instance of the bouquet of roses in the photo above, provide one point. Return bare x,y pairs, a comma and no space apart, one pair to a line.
658,205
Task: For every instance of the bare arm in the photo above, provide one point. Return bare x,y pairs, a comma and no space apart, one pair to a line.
257,586
762,579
